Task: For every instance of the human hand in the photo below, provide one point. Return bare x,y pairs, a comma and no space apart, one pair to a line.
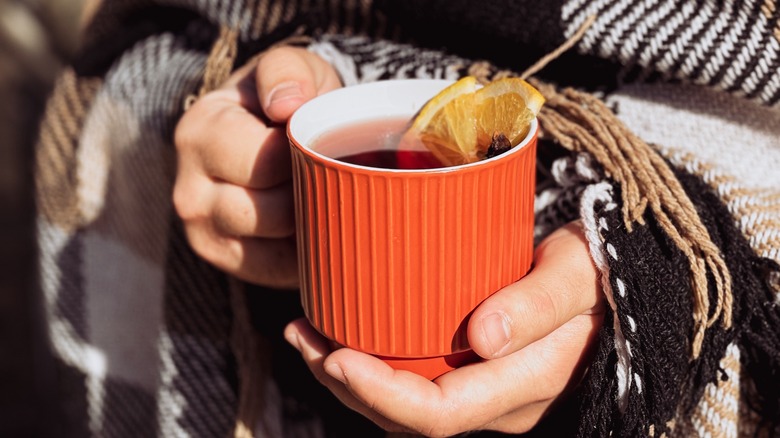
233,188
552,317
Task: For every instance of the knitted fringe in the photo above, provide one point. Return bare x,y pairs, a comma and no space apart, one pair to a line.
760,341
581,122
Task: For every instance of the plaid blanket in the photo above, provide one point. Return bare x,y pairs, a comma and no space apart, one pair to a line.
152,341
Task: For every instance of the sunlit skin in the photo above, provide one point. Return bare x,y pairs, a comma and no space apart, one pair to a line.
553,315
233,192
233,187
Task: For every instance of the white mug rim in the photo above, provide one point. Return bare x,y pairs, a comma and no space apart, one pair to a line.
319,108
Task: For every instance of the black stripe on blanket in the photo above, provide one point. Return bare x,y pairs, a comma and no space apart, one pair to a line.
654,310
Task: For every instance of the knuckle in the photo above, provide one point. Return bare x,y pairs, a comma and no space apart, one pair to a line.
202,236
180,199
186,202
224,118
224,217
232,218
222,253
191,128
224,115
198,241
185,135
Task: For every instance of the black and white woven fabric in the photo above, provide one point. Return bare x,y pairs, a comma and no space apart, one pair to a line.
148,337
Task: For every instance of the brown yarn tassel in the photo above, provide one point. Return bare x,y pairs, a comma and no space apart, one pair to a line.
219,64
581,122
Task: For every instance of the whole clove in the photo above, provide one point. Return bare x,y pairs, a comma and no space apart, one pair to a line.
498,145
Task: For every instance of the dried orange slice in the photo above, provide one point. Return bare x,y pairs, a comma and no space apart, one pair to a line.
446,124
459,124
506,106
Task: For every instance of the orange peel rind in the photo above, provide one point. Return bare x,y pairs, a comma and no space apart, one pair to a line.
459,123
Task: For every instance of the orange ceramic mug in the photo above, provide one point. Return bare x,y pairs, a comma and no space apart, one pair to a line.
392,262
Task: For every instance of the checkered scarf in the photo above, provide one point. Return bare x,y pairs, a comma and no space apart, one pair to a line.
151,341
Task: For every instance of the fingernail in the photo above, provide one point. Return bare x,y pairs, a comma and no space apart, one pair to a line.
294,340
495,332
284,91
335,371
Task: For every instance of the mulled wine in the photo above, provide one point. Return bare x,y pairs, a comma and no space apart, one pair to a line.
375,143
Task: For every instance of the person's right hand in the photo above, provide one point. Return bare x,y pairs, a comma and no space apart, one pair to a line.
537,337
233,188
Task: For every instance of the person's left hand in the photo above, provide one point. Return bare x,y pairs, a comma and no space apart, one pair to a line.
550,319
233,190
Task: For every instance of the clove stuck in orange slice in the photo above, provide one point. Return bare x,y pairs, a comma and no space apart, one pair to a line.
463,123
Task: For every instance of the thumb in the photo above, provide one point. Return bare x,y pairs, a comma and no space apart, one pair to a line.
289,76
563,283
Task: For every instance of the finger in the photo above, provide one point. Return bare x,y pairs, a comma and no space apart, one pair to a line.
561,361
271,262
242,212
288,77
520,420
312,345
464,399
475,396
268,262
241,87
232,144
314,348
562,284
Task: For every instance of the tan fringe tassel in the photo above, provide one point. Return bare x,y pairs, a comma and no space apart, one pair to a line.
219,64
56,152
568,44
581,122
221,59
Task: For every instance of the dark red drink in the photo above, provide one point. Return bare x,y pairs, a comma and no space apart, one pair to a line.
394,159
375,144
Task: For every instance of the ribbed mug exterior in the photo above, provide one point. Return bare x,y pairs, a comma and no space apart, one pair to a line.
392,262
